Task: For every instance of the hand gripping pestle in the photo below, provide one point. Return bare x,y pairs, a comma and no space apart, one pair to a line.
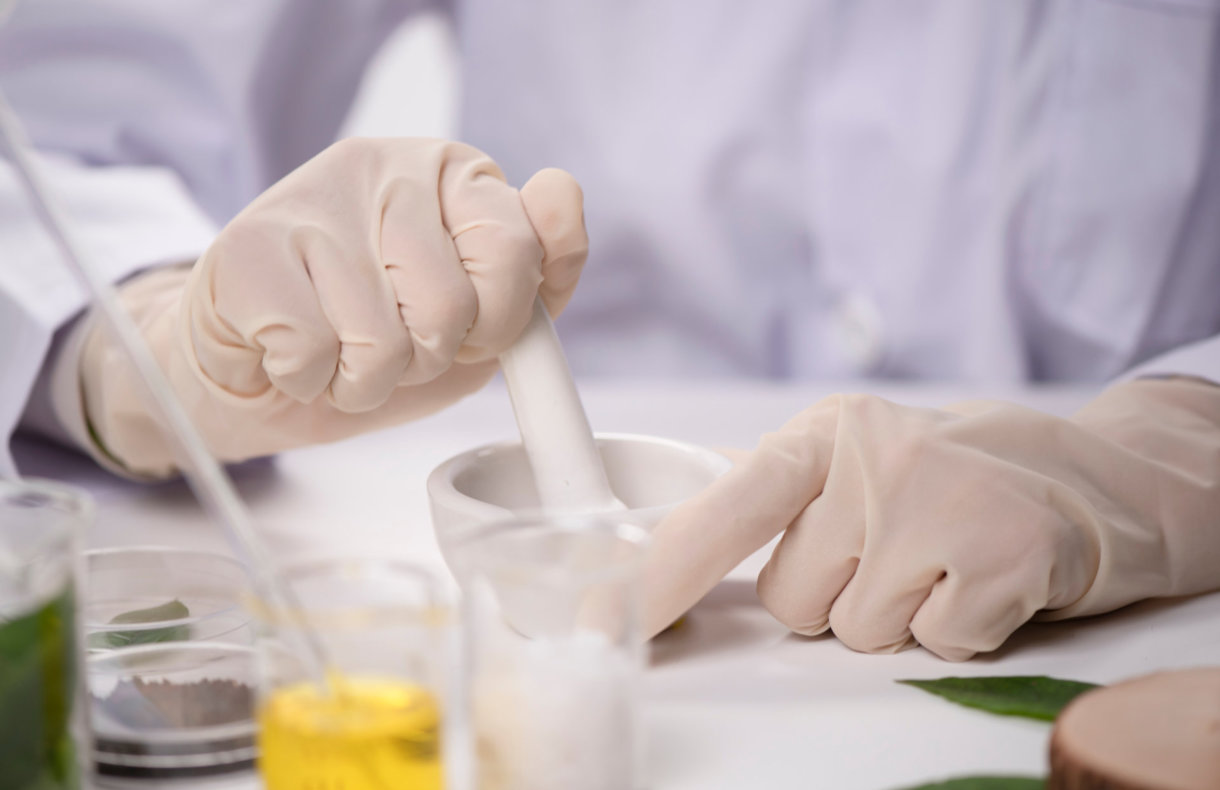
554,429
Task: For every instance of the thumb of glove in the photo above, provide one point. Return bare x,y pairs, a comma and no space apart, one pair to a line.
554,205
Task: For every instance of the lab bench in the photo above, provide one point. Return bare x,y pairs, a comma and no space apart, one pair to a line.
732,699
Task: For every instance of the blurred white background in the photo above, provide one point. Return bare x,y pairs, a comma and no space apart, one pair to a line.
411,88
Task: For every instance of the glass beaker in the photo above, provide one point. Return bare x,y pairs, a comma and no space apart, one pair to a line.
551,616
42,716
376,722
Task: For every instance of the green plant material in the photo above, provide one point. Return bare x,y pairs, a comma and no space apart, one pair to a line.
173,610
986,783
37,686
1030,696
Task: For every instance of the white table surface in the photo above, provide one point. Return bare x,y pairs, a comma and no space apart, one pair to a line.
732,699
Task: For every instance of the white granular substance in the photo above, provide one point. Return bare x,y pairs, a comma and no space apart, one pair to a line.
557,715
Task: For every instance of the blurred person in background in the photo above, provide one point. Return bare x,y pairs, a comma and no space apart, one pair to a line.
991,192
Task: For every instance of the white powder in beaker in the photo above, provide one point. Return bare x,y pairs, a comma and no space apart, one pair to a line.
557,714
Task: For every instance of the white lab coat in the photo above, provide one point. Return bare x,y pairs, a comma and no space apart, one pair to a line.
983,190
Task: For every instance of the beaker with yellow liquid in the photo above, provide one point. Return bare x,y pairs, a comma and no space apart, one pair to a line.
377,722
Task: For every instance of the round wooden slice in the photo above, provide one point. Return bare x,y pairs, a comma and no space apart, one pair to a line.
1158,732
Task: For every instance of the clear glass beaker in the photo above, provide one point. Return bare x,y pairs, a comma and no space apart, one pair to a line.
551,617
43,742
376,722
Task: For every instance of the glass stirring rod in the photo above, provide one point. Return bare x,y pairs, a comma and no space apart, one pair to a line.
209,481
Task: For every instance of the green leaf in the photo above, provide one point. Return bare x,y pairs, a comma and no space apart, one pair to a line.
172,610
1031,696
986,783
37,666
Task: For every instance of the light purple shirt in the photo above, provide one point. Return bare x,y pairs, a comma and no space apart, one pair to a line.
948,189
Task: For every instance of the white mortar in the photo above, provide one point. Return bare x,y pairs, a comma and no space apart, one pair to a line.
649,474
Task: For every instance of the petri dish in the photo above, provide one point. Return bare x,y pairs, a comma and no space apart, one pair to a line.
162,594
173,710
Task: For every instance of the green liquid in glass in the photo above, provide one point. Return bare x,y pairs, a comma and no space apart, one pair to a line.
37,686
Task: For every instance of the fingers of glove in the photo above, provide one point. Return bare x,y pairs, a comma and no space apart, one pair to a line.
814,562
706,537
964,615
498,249
254,318
437,302
359,301
298,426
555,206
873,612
824,555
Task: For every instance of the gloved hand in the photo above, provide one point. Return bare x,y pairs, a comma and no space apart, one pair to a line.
953,527
375,284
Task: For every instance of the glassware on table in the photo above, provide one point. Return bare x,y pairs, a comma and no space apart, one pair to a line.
139,595
42,726
552,633
377,720
172,710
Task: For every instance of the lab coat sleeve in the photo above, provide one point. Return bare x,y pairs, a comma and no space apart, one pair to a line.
125,217
1200,359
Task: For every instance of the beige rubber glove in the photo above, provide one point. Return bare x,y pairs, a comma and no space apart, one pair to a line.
375,284
952,528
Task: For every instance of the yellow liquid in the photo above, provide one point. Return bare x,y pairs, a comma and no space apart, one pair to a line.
369,734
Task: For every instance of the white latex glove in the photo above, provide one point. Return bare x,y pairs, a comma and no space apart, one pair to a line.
375,284
953,527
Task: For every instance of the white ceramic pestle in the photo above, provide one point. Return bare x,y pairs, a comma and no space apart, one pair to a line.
554,429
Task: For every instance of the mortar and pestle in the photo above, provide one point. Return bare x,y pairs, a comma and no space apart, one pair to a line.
560,466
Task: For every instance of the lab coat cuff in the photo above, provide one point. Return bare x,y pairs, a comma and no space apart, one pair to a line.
1198,360
67,397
